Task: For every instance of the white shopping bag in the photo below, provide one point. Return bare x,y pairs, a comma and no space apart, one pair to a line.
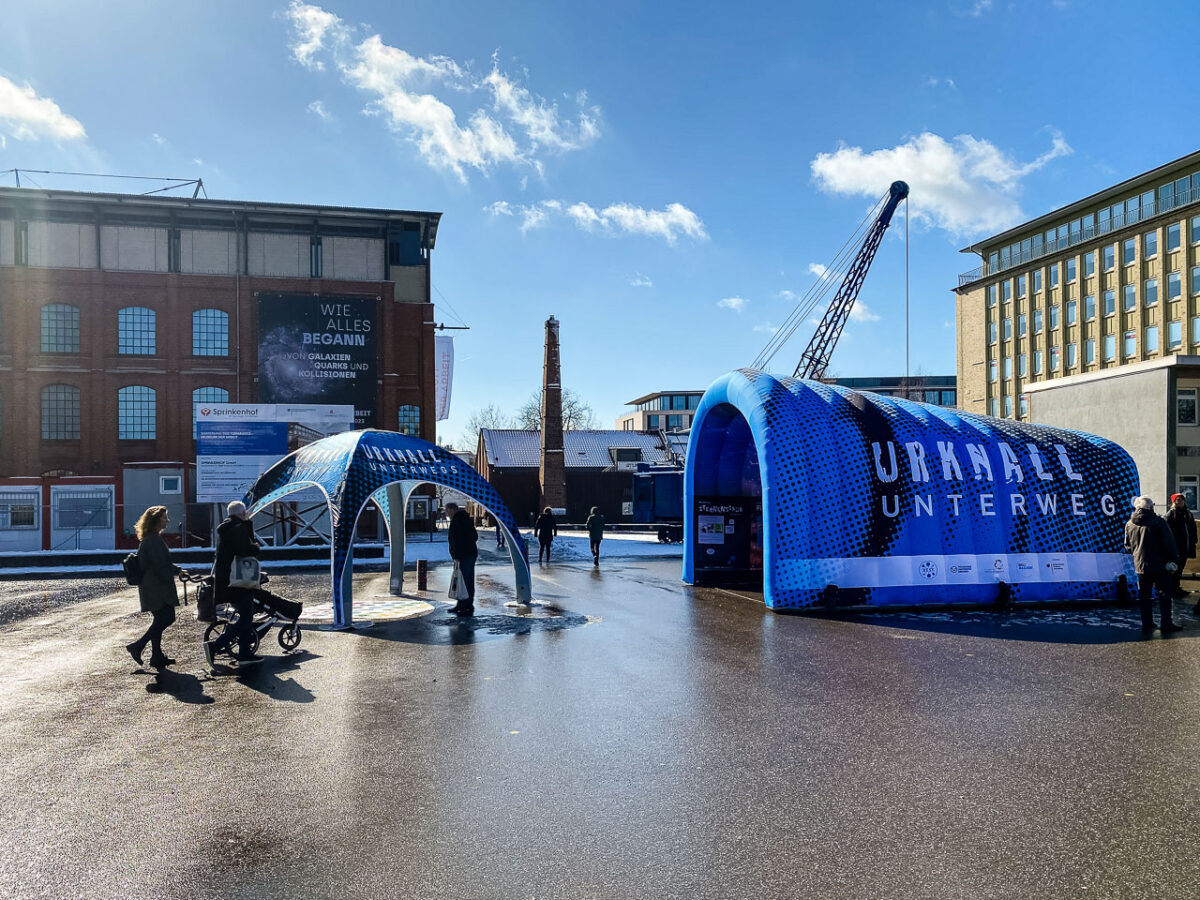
458,585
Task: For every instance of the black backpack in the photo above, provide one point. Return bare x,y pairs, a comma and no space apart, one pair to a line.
133,568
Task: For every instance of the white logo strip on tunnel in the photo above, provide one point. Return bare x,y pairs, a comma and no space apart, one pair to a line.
983,568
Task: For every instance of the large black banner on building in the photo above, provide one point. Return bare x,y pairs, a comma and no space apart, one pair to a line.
319,349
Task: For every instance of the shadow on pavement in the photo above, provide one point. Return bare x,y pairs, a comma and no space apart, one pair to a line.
1089,625
440,628
265,678
183,686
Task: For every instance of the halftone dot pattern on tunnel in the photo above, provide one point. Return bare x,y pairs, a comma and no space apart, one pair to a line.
959,487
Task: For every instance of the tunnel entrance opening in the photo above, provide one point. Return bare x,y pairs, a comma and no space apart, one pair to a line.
727,502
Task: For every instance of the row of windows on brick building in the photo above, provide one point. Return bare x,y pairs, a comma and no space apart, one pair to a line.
137,331
137,412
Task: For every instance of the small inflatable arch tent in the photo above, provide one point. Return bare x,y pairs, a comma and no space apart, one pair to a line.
838,498
356,466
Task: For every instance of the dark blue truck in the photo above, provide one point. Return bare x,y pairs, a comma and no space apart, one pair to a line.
658,499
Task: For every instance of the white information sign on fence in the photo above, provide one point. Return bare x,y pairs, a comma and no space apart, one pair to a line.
237,442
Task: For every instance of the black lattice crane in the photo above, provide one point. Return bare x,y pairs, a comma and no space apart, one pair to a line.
815,359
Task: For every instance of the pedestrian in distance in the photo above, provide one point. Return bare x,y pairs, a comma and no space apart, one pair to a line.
235,538
156,590
547,530
499,536
463,541
595,530
1183,527
1155,559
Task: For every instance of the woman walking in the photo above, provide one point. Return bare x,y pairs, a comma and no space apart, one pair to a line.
156,590
547,530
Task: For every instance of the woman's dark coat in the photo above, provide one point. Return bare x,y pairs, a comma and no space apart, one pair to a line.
546,528
1183,527
157,588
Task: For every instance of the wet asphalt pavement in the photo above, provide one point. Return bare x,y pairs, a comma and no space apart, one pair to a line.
650,741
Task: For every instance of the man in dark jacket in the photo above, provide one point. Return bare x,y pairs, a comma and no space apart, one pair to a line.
1183,527
235,537
1155,559
463,541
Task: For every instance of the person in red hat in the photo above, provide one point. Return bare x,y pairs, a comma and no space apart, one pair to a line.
1183,527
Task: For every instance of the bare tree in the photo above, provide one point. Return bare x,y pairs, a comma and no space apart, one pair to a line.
488,417
913,386
578,415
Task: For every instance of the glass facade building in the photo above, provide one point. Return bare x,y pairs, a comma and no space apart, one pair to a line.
1136,246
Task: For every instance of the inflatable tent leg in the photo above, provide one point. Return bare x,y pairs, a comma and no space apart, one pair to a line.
521,578
396,505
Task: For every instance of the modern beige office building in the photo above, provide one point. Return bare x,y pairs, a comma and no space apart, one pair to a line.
1109,280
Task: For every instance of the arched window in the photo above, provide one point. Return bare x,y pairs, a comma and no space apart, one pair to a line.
135,331
201,396
409,421
136,413
210,333
60,328
60,412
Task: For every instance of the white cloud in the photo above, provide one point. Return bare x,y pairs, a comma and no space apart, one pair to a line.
158,139
818,269
933,81
668,224
859,312
640,280
26,116
539,120
767,328
311,24
510,126
966,186
737,304
979,7
535,216
790,296
317,108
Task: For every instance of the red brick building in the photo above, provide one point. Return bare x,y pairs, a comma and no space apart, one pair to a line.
119,313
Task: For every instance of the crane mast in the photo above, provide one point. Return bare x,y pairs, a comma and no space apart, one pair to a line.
815,359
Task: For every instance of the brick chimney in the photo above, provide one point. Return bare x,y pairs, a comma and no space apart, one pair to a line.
553,475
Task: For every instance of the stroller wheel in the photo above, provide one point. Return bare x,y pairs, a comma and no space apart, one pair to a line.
217,629
289,636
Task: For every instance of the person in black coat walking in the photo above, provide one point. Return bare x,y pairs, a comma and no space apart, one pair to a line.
1183,527
156,590
1155,559
463,543
235,537
547,530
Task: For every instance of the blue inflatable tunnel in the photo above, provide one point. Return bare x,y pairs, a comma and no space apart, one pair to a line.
830,497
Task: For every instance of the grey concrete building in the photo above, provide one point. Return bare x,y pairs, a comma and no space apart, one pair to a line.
1149,408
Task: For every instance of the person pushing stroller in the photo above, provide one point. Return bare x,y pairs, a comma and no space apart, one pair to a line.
235,538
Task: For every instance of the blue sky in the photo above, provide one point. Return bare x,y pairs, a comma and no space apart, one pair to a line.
661,177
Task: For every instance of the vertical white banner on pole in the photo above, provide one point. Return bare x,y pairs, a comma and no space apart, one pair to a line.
443,350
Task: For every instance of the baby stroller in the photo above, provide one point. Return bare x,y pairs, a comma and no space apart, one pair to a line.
269,610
